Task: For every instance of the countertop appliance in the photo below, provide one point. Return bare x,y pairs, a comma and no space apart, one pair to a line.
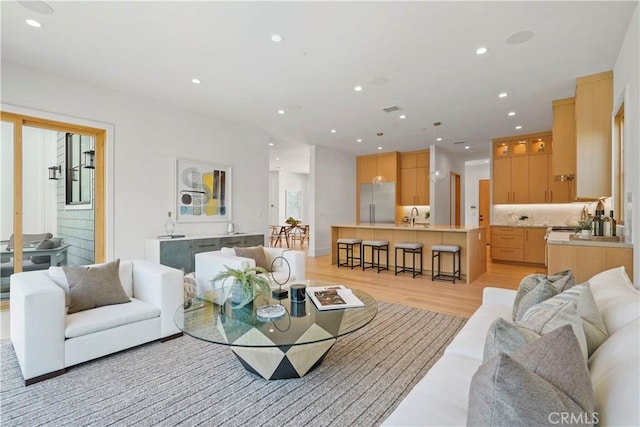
378,203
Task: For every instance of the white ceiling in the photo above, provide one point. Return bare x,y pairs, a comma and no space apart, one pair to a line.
425,51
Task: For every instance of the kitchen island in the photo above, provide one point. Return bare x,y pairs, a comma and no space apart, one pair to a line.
587,257
472,242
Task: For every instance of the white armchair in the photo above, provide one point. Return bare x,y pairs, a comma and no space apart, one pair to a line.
209,264
47,340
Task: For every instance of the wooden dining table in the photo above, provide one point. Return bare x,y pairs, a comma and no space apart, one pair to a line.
285,231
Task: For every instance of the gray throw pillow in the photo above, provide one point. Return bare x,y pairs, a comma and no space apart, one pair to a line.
94,286
559,281
29,238
256,253
505,337
546,378
557,311
45,244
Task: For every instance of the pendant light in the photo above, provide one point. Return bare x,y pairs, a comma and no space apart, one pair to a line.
379,179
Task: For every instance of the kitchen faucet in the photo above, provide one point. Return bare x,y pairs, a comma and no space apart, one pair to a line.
413,219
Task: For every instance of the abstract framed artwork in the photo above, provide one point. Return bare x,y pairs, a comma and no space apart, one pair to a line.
293,204
203,191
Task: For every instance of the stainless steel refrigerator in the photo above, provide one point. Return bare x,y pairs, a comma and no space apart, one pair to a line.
378,203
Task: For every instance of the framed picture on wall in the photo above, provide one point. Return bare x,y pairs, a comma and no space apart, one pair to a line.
203,191
293,204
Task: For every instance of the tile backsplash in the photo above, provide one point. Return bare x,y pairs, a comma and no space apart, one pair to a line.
543,214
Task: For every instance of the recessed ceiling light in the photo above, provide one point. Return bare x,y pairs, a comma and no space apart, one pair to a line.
512,113
438,139
358,88
333,131
280,111
502,95
33,23
195,81
277,38
277,158
518,127
402,116
359,140
379,148
467,147
271,144
481,50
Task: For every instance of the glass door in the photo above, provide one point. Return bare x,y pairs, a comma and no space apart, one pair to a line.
52,195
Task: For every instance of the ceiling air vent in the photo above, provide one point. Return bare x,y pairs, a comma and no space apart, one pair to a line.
391,109
459,142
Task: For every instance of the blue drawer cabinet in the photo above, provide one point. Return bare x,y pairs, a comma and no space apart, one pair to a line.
180,253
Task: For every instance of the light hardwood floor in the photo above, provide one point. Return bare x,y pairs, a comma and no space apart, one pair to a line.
443,297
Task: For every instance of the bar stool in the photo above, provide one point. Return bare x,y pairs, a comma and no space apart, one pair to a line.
376,246
348,245
412,248
436,252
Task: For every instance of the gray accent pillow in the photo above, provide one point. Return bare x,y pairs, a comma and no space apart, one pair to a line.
256,253
94,286
28,238
545,378
595,331
505,337
559,281
45,244
555,312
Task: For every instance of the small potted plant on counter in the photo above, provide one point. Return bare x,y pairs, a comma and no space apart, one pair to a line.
583,230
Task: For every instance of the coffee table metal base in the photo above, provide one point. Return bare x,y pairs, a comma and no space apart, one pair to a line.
277,363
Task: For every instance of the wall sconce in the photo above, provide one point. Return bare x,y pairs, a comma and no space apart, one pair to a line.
55,172
89,159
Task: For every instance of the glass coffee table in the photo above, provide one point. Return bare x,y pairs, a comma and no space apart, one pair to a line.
285,347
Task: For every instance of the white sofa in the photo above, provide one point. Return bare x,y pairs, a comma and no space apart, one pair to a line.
441,397
209,264
47,340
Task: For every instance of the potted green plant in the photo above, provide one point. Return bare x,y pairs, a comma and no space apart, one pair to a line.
246,285
292,221
584,227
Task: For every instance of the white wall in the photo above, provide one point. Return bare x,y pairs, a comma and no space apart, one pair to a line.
332,195
292,182
474,172
626,84
147,138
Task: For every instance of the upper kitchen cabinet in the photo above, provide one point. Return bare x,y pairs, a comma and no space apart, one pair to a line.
521,169
593,107
414,178
563,158
384,164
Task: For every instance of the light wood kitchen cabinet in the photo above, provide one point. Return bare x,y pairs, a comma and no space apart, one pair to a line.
414,178
518,244
534,245
593,106
385,164
587,260
511,180
563,157
521,169
507,243
539,179
560,191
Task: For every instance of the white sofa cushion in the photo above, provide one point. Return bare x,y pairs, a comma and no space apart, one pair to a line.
441,398
107,317
470,340
615,375
617,299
